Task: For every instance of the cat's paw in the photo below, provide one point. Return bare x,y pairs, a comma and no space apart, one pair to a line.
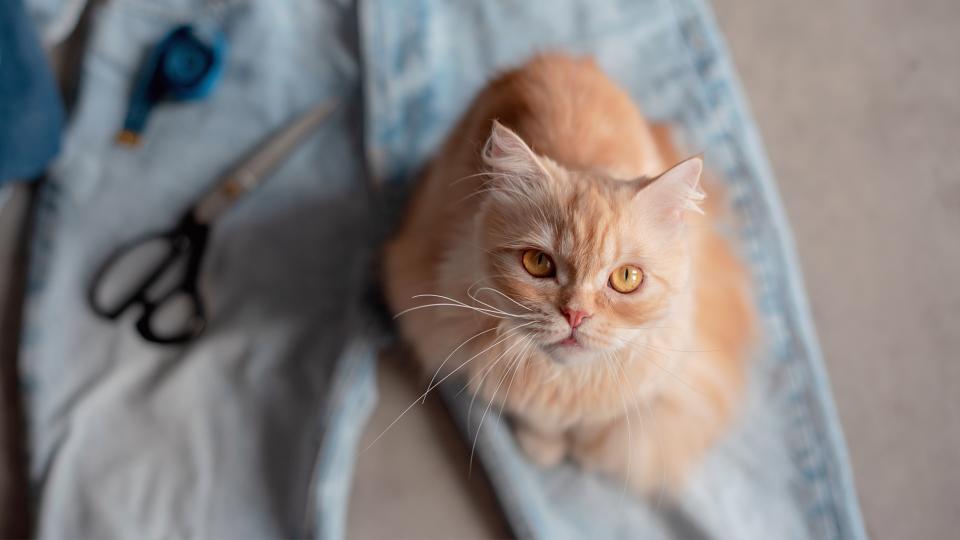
544,450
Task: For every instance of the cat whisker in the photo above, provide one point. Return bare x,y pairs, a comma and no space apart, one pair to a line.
497,310
495,313
488,187
492,308
655,437
485,278
436,373
473,294
484,415
482,375
662,367
490,176
626,416
506,336
489,307
476,175
478,310
485,371
516,370
491,289
481,191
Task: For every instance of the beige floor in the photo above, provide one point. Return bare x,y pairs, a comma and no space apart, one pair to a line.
414,482
859,105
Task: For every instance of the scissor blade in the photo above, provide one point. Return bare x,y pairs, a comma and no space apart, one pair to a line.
264,160
279,146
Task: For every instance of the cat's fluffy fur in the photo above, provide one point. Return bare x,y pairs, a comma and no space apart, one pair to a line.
554,156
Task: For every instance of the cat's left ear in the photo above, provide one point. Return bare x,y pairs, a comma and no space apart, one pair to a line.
506,152
674,192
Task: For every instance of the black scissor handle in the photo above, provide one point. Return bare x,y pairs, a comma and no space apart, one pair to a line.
191,329
188,240
136,291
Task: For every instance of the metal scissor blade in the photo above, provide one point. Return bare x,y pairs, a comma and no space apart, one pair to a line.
264,160
279,146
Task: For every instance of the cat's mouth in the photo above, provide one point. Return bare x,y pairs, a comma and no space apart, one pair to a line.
570,350
573,340
574,346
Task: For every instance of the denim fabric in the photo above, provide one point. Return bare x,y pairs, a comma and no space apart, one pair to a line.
55,19
224,437
251,430
783,471
31,114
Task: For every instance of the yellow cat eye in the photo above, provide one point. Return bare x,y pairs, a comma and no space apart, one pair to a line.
538,263
626,279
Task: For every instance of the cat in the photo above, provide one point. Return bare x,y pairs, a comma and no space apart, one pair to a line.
555,255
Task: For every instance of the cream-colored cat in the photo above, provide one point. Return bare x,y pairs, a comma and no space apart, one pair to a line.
548,260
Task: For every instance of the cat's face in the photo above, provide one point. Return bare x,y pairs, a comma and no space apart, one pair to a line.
591,262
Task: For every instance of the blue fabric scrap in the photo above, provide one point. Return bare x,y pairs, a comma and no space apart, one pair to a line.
31,112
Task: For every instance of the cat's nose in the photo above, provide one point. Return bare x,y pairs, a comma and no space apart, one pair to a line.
574,316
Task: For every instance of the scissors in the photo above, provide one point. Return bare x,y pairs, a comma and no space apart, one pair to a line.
159,272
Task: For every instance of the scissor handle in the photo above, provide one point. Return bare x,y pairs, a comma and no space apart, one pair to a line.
187,239
193,328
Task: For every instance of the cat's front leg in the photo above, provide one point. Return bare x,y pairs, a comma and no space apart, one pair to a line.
654,451
545,447
609,448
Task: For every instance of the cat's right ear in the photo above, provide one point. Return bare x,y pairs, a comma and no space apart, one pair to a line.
506,152
669,196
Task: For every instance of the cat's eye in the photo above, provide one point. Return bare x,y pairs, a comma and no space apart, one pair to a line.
538,263
626,279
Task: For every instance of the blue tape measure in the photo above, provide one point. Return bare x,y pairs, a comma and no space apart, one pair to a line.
185,65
